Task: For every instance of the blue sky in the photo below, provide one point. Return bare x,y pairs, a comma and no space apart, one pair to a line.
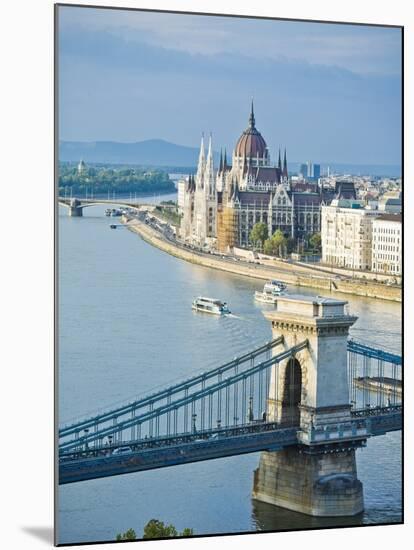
328,92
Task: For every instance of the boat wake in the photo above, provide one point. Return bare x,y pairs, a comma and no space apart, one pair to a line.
232,316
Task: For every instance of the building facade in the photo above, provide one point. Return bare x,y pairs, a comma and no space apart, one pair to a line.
221,207
391,202
198,222
387,244
346,234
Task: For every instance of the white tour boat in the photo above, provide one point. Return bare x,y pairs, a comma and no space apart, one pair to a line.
265,297
210,305
270,292
276,287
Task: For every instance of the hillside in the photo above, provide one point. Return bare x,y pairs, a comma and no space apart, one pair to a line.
153,152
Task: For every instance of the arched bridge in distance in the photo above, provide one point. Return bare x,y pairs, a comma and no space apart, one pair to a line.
75,206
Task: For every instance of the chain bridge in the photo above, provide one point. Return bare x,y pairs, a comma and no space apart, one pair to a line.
307,399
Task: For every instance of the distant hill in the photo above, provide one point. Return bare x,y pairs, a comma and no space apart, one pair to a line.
153,152
158,152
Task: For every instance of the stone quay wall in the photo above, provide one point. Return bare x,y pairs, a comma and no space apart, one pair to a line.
261,272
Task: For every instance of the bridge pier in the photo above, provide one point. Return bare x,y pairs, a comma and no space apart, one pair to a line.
75,208
75,212
322,484
318,476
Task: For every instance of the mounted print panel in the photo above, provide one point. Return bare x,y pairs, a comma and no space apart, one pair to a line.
229,274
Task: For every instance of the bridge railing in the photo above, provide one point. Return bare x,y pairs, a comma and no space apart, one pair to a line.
229,395
374,377
226,401
242,361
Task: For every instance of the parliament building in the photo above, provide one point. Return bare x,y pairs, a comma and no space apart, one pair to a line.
221,206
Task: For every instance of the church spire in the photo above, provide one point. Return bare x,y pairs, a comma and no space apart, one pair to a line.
210,152
201,157
279,164
209,171
285,169
201,165
221,161
225,159
252,121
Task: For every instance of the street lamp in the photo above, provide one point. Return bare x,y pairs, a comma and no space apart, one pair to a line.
193,420
86,431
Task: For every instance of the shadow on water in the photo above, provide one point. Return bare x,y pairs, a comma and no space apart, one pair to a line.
267,517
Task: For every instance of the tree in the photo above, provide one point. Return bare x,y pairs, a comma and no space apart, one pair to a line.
315,241
128,535
156,529
290,244
276,245
259,234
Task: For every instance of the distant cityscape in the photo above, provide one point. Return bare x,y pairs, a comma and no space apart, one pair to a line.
356,219
346,221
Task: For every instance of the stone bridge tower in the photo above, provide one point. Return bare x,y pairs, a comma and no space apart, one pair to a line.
310,390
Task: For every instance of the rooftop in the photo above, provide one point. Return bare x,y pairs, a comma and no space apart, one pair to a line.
306,298
390,218
314,309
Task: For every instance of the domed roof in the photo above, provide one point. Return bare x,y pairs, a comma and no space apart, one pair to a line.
251,143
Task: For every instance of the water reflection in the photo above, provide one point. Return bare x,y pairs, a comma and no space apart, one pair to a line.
267,517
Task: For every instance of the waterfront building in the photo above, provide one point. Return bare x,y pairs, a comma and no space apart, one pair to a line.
221,207
346,234
387,244
391,202
198,222
343,189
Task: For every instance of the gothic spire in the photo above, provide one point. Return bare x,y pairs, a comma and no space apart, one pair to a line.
252,121
210,152
279,164
201,157
285,169
221,161
225,159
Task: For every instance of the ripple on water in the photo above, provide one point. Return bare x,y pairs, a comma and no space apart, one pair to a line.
126,327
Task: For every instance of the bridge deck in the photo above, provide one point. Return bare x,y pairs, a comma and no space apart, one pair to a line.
173,454
264,436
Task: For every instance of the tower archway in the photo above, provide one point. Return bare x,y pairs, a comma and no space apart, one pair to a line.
292,392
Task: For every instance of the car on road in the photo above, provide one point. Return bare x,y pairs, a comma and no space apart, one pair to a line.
122,451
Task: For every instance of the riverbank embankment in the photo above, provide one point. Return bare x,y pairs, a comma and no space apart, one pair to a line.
257,271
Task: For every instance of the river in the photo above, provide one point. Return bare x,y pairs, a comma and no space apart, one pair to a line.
126,327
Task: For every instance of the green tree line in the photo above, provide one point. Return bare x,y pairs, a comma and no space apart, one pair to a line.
100,180
279,244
